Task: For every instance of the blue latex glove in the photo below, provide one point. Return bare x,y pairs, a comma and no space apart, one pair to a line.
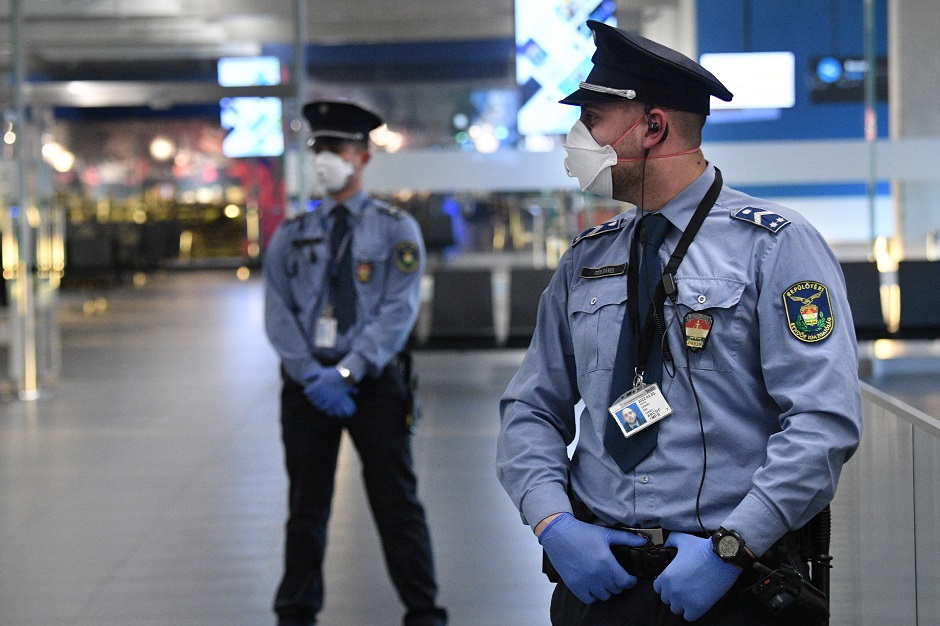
326,390
581,554
696,579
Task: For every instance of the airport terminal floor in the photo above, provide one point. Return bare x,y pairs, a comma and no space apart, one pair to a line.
148,487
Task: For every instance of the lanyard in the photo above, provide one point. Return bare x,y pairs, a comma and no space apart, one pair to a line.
666,286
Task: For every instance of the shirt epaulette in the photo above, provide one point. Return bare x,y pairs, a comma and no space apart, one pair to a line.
300,217
388,209
606,227
760,217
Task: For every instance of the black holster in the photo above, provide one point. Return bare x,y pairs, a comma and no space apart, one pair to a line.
797,598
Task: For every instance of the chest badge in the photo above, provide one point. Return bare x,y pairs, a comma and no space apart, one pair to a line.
697,327
809,312
364,271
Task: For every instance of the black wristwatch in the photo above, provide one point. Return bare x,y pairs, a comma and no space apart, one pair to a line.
730,548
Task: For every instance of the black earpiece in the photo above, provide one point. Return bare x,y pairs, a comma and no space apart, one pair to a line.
653,126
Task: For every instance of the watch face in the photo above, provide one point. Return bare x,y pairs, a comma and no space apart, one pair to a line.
727,546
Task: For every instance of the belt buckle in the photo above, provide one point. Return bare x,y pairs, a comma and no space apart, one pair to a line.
653,535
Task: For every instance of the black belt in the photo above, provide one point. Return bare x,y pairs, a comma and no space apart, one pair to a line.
646,561
642,562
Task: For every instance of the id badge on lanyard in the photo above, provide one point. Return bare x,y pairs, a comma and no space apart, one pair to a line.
327,329
640,407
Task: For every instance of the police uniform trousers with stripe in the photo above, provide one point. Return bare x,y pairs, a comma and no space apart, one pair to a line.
381,437
642,606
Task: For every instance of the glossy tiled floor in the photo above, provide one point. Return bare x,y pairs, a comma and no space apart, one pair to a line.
148,488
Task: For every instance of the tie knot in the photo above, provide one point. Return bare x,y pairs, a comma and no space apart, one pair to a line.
653,229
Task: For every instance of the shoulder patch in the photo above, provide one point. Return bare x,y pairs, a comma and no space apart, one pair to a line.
759,217
388,209
606,227
407,256
809,312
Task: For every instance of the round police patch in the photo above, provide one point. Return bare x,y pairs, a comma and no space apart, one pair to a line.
406,256
809,312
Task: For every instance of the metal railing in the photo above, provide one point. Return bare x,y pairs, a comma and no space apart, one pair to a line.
886,519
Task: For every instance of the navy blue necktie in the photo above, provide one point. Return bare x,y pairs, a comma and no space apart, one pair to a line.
344,290
627,452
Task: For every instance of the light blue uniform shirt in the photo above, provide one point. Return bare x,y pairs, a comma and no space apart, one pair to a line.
781,415
387,262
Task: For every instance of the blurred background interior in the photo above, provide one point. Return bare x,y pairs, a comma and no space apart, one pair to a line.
151,147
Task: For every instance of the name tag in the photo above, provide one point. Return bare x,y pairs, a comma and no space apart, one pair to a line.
327,328
603,272
639,408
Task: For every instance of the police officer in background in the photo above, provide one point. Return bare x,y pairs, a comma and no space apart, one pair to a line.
724,318
342,293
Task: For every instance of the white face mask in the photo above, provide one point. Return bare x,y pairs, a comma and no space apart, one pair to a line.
332,170
589,162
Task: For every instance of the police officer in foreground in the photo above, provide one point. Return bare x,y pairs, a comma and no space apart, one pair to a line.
723,319
342,293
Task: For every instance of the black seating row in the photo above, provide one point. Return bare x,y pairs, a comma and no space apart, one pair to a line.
919,285
105,251
462,305
462,309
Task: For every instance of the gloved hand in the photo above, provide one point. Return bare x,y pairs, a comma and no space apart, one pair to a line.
696,579
581,554
326,390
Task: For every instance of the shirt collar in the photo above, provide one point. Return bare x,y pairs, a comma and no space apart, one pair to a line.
355,204
679,210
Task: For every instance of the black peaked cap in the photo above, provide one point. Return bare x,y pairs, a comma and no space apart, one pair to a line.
340,120
641,69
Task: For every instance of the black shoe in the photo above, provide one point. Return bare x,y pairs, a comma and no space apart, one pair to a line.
429,617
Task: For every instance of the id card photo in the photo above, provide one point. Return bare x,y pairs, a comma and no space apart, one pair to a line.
630,418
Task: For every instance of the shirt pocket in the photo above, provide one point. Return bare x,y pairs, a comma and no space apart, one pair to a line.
595,313
370,273
717,297
307,265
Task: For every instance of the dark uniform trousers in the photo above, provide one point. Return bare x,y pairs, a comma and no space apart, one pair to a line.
311,442
642,606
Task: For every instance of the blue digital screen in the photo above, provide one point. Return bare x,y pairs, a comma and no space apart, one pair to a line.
553,55
254,125
249,71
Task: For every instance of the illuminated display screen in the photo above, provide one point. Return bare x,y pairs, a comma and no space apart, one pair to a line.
254,127
758,80
553,55
249,71
254,124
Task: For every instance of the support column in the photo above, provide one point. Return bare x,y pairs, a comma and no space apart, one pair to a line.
23,353
297,118
914,73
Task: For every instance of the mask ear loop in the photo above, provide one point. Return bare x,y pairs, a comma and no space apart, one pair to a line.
629,130
646,153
